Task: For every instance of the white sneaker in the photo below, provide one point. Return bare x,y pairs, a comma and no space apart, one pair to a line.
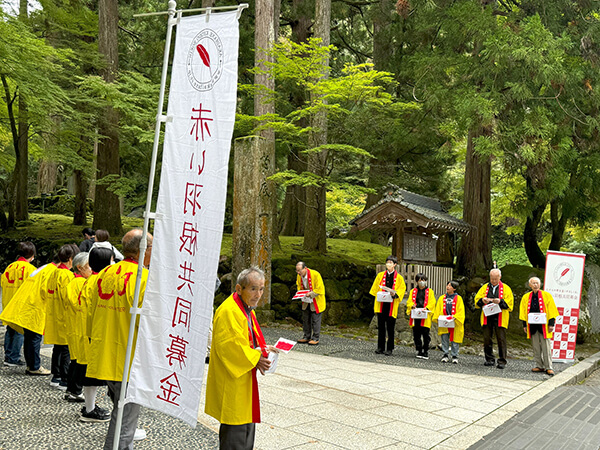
454,360
140,434
445,359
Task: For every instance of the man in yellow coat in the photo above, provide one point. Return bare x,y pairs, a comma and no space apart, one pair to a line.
452,306
421,297
538,313
313,304
12,279
26,313
111,300
238,350
391,286
499,296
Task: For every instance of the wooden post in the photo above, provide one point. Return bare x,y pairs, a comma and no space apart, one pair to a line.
252,212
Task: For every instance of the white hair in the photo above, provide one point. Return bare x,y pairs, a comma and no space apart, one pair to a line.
535,278
496,270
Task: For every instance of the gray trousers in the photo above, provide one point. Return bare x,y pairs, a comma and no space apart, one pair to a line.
131,413
449,346
236,437
542,351
311,324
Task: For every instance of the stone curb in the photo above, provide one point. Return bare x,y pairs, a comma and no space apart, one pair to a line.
482,427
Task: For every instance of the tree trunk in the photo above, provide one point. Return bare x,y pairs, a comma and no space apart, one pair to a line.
558,225
107,211
79,214
22,156
315,230
265,213
534,253
46,182
10,101
475,253
292,215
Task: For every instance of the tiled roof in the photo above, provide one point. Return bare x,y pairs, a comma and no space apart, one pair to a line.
427,207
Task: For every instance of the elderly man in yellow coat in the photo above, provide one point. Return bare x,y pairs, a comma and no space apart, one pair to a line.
11,280
313,303
496,302
111,301
538,313
451,309
388,290
26,312
238,350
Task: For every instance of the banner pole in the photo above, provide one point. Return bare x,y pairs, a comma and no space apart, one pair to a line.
135,311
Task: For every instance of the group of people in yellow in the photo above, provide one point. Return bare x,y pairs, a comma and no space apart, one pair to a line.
422,308
538,313
80,303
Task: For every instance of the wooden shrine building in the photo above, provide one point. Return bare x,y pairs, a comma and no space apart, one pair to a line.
423,234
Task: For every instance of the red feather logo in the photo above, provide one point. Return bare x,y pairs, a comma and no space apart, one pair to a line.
564,272
203,55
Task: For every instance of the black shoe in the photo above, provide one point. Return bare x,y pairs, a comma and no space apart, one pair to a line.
388,353
425,355
72,398
379,351
207,360
489,363
419,354
501,366
97,415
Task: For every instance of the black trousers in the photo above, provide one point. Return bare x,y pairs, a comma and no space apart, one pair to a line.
386,325
60,362
421,337
76,377
236,437
488,346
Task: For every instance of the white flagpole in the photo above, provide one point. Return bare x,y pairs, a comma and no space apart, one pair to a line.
135,311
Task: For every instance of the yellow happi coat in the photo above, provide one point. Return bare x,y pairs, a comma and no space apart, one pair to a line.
318,287
110,301
73,314
549,308
507,297
399,287
231,389
429,304
459,318
84,317
27,308
13,277
56,305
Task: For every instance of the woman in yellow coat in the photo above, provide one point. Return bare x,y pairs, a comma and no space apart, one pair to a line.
82,271
533,305
388,290
56,307
421,298
451,306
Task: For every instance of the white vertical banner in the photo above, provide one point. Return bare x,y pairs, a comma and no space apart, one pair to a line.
167,369
564,280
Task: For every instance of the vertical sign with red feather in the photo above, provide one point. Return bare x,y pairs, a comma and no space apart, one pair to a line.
168,366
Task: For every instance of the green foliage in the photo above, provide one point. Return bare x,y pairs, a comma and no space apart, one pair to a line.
343,205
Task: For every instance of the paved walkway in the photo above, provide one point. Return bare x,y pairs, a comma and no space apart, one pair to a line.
336,395
566,418
368,401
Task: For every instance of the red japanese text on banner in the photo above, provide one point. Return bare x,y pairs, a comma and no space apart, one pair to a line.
564,281
168,365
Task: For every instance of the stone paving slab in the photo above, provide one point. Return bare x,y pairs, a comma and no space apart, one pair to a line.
564,417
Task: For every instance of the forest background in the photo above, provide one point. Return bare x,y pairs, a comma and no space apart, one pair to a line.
489,106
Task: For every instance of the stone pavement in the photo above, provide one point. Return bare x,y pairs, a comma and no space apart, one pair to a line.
335,395
565,418
359,400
